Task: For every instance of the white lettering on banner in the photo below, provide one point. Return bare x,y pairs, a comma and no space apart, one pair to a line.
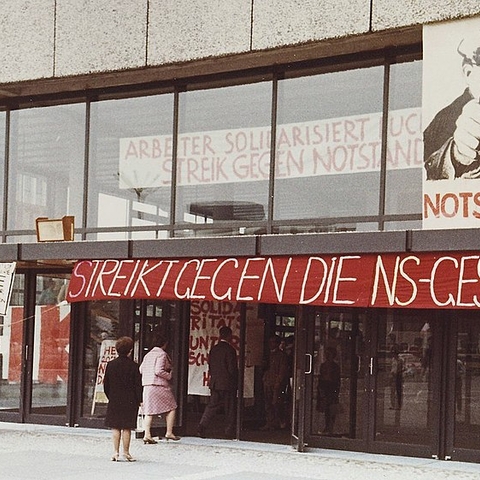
323,147
384,280
328,273
391,288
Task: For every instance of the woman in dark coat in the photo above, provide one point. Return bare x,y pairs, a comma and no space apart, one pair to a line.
122,385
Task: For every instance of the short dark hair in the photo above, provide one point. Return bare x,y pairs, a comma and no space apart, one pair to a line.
123,345
159,339
225,332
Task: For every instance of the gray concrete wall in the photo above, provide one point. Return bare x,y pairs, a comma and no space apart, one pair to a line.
47,39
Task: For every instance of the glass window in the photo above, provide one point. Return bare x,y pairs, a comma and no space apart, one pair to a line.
224,155
11,348
130,164
46,164
404,363
329,145
51,346
103,329
467,380
405,145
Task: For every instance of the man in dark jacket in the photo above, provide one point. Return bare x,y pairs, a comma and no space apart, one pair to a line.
223,371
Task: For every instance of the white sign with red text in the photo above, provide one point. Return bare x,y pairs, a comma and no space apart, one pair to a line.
324,147
108,352
206,318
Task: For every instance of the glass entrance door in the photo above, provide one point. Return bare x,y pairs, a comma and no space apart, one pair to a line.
48,348
12,327
464,395
407,369
335,384
379,381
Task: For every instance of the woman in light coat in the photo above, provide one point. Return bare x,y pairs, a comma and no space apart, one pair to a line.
158,399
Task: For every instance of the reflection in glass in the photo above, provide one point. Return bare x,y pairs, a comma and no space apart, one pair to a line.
328,145
338,399
224,155
11,341
46,167
103,329
405,145
130,164
51,346
404,380
467,383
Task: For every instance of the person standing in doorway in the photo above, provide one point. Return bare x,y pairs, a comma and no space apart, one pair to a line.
275,381
328,389
397,368
223,372
122,385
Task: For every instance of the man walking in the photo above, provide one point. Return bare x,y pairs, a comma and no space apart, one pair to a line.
223,370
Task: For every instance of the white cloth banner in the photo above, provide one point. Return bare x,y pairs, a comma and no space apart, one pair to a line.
323,147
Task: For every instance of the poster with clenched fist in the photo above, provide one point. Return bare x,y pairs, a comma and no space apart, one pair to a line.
451,124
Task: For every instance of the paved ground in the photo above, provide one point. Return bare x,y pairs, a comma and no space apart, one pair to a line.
44,452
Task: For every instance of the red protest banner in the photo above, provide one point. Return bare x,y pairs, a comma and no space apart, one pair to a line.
384,280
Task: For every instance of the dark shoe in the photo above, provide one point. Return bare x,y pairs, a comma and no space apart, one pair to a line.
149,441
201,432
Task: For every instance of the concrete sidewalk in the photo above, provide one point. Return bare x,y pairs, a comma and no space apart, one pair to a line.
44,452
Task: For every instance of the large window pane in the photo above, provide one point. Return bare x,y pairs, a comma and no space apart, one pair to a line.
405,379
467,383
328,145
102,327
46,164
405,146
130,164
11,348
51,346
223,155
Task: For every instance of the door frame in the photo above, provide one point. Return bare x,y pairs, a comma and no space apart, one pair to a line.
313,439
441,402
302,366
26,414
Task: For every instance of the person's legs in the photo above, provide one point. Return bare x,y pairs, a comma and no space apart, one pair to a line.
147,424
230,413
213,405
170,421
126,438
116,434
399,388
269,408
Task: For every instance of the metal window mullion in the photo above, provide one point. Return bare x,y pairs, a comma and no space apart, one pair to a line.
6,169
173,190
273,142
383,157
86,165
